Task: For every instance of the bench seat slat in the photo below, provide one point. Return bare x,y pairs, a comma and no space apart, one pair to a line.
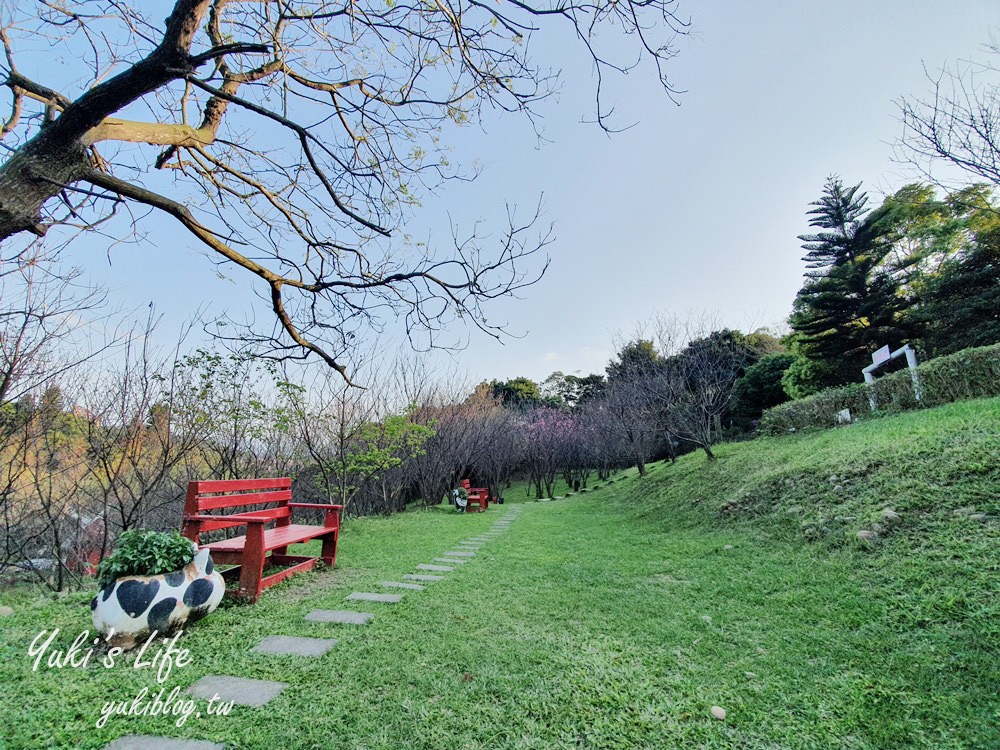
274,538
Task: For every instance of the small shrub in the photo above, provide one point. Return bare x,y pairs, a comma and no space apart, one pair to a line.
968,374
141,552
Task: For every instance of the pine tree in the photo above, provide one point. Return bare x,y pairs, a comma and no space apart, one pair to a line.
849,305
839,211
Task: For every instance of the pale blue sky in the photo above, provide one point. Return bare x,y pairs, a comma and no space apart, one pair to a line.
695,209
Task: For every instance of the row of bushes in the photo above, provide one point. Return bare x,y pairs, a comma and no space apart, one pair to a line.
970,373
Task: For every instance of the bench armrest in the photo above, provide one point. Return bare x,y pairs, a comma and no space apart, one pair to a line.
331,519
320,506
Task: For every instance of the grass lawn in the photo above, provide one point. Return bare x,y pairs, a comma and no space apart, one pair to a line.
618,618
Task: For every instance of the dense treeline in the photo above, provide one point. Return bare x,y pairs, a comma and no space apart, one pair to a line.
919,268
92,446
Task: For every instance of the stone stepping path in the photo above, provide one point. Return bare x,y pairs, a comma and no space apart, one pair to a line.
248,692
240,690
364,596
282,645
341,616
147,742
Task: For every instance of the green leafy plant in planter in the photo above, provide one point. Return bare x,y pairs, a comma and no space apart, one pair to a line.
142,552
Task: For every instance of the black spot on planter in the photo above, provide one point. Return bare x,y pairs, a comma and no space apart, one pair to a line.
198,592
134,597
210,567
175,579
106,591
159,615
93,603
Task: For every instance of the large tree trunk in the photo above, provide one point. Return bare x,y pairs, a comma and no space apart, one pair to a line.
35,173
57,156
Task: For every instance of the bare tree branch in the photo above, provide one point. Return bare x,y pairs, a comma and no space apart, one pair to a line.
309,129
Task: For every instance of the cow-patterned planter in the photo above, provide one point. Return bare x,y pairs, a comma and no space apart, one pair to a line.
130,608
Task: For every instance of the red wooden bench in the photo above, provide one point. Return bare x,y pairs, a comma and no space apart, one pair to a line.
478,496
250,551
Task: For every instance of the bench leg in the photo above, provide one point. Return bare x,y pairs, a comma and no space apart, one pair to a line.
251,573
252,567
329,550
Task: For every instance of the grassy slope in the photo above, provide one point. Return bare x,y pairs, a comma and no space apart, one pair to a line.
617,619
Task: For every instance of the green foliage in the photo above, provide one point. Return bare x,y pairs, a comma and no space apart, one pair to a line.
142,552
958,297
228,393
839,211
760,387
850,304
517,393
969,374
374,448
572,390
803,376
636,359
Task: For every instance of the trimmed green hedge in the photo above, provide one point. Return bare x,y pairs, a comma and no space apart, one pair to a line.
970,373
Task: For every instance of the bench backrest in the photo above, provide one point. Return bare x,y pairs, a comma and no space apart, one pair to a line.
209,496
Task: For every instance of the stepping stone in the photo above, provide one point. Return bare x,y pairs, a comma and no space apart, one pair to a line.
398,585
439,568
148,742
460,553
448,561
339,615
418,577
364,596
282,645
240,690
